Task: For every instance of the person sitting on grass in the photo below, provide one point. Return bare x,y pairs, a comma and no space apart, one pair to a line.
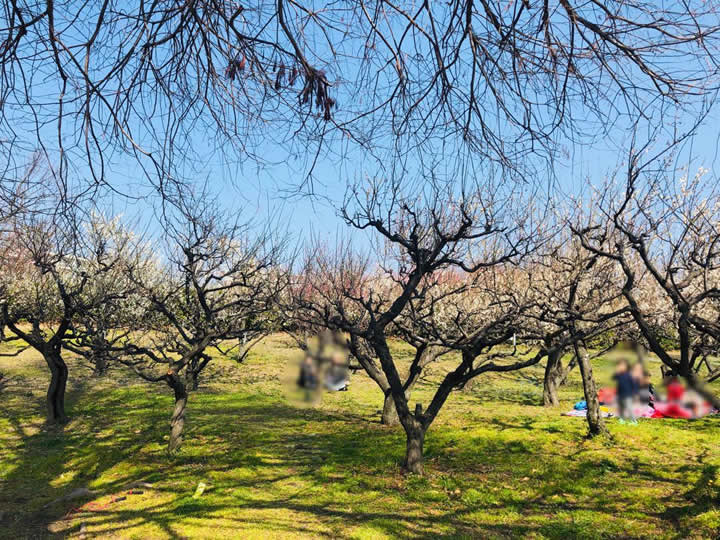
336,379
626,390
675,390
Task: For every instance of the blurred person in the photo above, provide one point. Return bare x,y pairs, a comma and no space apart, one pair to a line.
308,379
646,391
675,389
336,377
675,406
695,403
626,390
637,372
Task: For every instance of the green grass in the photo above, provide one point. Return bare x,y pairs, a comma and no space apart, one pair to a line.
498,465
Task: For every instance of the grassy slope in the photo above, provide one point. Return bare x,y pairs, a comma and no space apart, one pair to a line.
498,465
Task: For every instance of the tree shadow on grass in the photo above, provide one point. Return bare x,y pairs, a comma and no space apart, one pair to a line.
483,394
702,497
286,470
46,463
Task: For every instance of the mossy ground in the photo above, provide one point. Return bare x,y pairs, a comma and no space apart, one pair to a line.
498,464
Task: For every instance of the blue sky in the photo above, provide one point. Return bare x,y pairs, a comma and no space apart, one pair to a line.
260,193
271,189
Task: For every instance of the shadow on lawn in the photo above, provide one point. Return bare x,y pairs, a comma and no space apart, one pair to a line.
48,462
289,457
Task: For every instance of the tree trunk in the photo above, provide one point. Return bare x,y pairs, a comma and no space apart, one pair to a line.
192,374
567,370
389,412
100,355
177,422
553,378
596,425
415,437
100,364
56,390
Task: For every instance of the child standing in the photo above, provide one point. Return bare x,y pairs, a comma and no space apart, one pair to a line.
626,388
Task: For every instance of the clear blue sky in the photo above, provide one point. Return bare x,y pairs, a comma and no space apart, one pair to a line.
259,192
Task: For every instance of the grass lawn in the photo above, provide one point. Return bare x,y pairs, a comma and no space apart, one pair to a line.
498,464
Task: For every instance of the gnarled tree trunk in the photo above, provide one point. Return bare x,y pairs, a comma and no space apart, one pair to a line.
99,354
56,389
553,378
194,380
177,421
389,413
414,440
100,365
100,361
414,451
596,425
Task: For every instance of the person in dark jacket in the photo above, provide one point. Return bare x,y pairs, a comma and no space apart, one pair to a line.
626,390
308,379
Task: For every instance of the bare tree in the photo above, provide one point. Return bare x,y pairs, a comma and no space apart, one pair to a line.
86,82
511,78
422,236
139,81
332,285
476,317
215,292
663,234
576,299
49,280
